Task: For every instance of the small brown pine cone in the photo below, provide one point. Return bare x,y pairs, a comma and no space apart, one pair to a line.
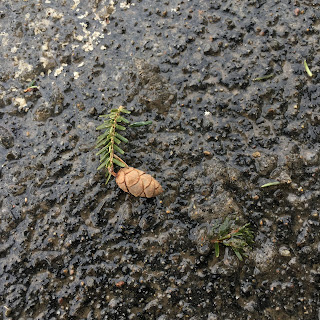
138,183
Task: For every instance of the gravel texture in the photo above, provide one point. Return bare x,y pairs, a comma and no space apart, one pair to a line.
72,247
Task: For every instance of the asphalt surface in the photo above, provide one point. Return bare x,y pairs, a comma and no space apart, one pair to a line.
75,248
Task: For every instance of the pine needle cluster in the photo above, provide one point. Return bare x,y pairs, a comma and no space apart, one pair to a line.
239,239
109,141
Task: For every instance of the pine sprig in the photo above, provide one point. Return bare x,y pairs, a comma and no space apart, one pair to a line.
110,140
239,239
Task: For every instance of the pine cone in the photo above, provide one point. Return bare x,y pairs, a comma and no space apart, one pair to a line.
138,183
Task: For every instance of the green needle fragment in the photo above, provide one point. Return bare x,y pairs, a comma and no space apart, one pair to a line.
275,183
307,68
217,249
141,123
122,138
31,84
123,120
119,127
238,254
118,149
108,178
119,163
102,126
125,111
264,77
103,164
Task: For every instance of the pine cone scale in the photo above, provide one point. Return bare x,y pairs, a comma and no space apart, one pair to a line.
131,178
149,191
120,177
136,189
147,179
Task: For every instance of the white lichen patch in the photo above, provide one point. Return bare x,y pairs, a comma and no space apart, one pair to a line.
23,67
54,13
92,39
83,15
105,13
76,3
45,46
88,46
59,70
125,5
47,59
44,61
78,37
20,102
76,75
39,26
5,39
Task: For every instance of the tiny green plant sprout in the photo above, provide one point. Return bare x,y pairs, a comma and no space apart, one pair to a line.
131,180
31,87
238,238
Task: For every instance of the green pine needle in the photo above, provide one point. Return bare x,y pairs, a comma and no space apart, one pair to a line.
122,138
102,136
217,249
119,163
140,123
123,120
102,126
269,184
116,140
120,127
307,68
118,149
102,165
108,177
102,142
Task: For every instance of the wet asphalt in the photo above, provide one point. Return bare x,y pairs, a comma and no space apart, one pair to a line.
233,108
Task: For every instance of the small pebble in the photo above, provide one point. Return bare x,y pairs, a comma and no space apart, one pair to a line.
256,154
284,251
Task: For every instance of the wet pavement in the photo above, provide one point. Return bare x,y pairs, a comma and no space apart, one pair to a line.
75,248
